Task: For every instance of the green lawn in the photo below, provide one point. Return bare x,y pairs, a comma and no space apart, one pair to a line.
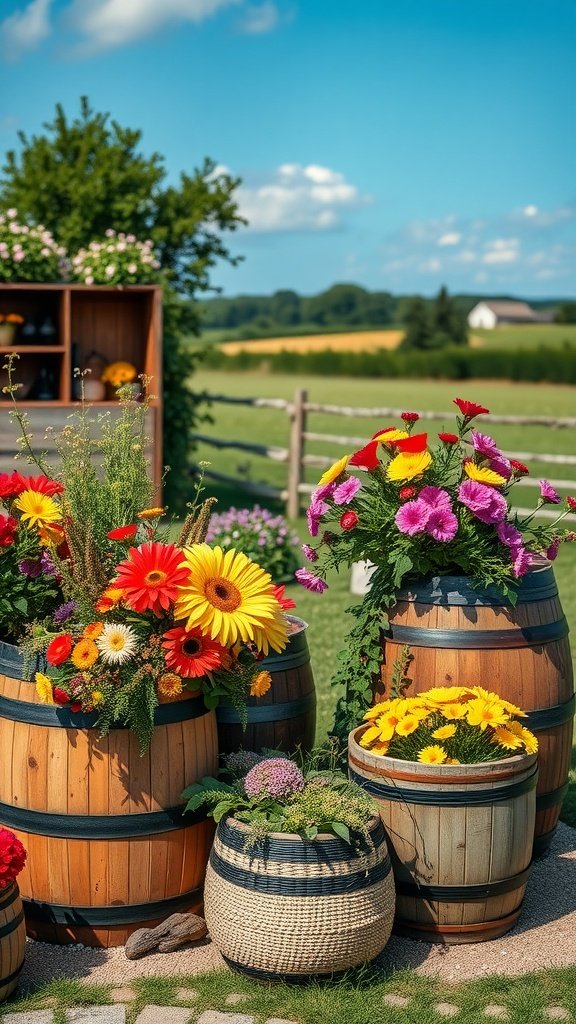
528,336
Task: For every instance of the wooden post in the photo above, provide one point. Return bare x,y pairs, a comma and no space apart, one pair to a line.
296,450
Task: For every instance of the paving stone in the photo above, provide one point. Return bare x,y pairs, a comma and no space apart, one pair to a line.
29,1017
186,994
217,1017
495,1010
166,1014
391,999
122,995
556,1013
235,998
447,1009
97,1015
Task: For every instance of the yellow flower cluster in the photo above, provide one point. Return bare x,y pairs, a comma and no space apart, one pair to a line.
470,723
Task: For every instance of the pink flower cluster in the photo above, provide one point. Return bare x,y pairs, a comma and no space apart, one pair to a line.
273,778
431,513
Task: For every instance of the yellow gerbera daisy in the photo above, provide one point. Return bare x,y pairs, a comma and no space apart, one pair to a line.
44,688
260,684
391,435
228,597
484,713
85,653
407,725
444,732
528,738
380,748
452,711
433,754
483,475
376,710
369,736
406,466
506,738
334,472
445,694
37,509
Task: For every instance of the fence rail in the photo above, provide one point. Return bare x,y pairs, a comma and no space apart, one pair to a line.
295,457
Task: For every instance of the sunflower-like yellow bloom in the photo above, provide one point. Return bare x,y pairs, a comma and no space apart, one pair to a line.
44,688
483,475
37,509
407,725
229,598
334,472
433,754
407,466
260,684
447,694
528,738
444,732
506,738
453,712
377,710
484,713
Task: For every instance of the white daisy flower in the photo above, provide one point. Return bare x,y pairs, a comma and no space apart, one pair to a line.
117,643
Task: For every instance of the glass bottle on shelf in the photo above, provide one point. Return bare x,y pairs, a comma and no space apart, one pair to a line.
45,389
28,332
47,331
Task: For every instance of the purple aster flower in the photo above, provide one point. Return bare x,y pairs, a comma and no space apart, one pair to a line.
484,502
510,536
522,562
30,567
502,465
47,565
274,777
325,491
548,494
442,525
436,497
412,517
310,581
310,553
344,493
314,513
485,445
63,612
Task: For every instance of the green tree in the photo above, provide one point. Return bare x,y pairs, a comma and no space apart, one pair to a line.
448,324
419,332
86,175
566,313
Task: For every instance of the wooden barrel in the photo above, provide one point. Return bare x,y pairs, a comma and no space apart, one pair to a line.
109,850
460,839
292,908
461,636
285,717
12,939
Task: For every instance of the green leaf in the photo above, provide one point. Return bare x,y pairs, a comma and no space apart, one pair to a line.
21,604
311,832
340,829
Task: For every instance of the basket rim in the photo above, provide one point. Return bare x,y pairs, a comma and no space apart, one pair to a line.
242,826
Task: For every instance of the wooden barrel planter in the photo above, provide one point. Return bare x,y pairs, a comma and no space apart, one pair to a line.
12,940
109,850
293,909
460,839
285,717
461,636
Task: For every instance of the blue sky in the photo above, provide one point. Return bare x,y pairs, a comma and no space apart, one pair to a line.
399,144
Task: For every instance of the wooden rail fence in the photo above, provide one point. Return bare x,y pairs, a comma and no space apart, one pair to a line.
297,459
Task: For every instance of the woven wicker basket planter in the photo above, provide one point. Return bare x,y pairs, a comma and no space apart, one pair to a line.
297,909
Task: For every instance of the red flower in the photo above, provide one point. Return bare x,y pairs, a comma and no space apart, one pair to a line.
150,576
60,696
285,602
190,654
76,707
449,438
519,468
8,527
12,857
7,486
469,409
41,483
571,503
412,445
410,417
122,533
406,492
349,519
59,649
366,458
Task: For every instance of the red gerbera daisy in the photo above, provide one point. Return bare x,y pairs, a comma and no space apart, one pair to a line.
42,484
150,576
190,654
59,649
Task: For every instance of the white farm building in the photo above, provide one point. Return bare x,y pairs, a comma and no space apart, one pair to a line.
490,314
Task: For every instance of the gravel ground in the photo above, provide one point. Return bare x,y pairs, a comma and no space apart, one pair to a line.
544,937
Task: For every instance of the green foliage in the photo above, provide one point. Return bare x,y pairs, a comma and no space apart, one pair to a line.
566,313
24,597
342,305
28,253
358,670
433,326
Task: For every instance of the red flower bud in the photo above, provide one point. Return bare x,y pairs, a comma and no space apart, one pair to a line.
410,417
407,492
571,503
449,438
519,468
60,696
349,519
76,707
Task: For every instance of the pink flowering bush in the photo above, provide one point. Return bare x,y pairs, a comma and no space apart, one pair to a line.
418,508
116,259
28,252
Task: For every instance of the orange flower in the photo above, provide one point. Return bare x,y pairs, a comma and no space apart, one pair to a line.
150,577
191,654
93,630
261,684
110,598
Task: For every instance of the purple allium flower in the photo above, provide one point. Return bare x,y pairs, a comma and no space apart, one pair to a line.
240,762
552,551
30,567
483,501
310,553
345,491
412,517
274,777
310,581
442,525
548,494
485,445
510,536
522,562
436,497
63,612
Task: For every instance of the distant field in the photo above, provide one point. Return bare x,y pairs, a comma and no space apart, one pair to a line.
527,336
353,341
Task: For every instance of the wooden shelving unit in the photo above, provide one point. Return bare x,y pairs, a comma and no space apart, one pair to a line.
118,323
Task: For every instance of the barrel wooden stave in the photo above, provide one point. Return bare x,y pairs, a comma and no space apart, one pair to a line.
466,845
534,676
74,772
12,940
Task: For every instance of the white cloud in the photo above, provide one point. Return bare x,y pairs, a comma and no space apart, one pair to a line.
450,238
25,29
298,198
530,211
501,250
465,256
260,18
106,24
431,266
